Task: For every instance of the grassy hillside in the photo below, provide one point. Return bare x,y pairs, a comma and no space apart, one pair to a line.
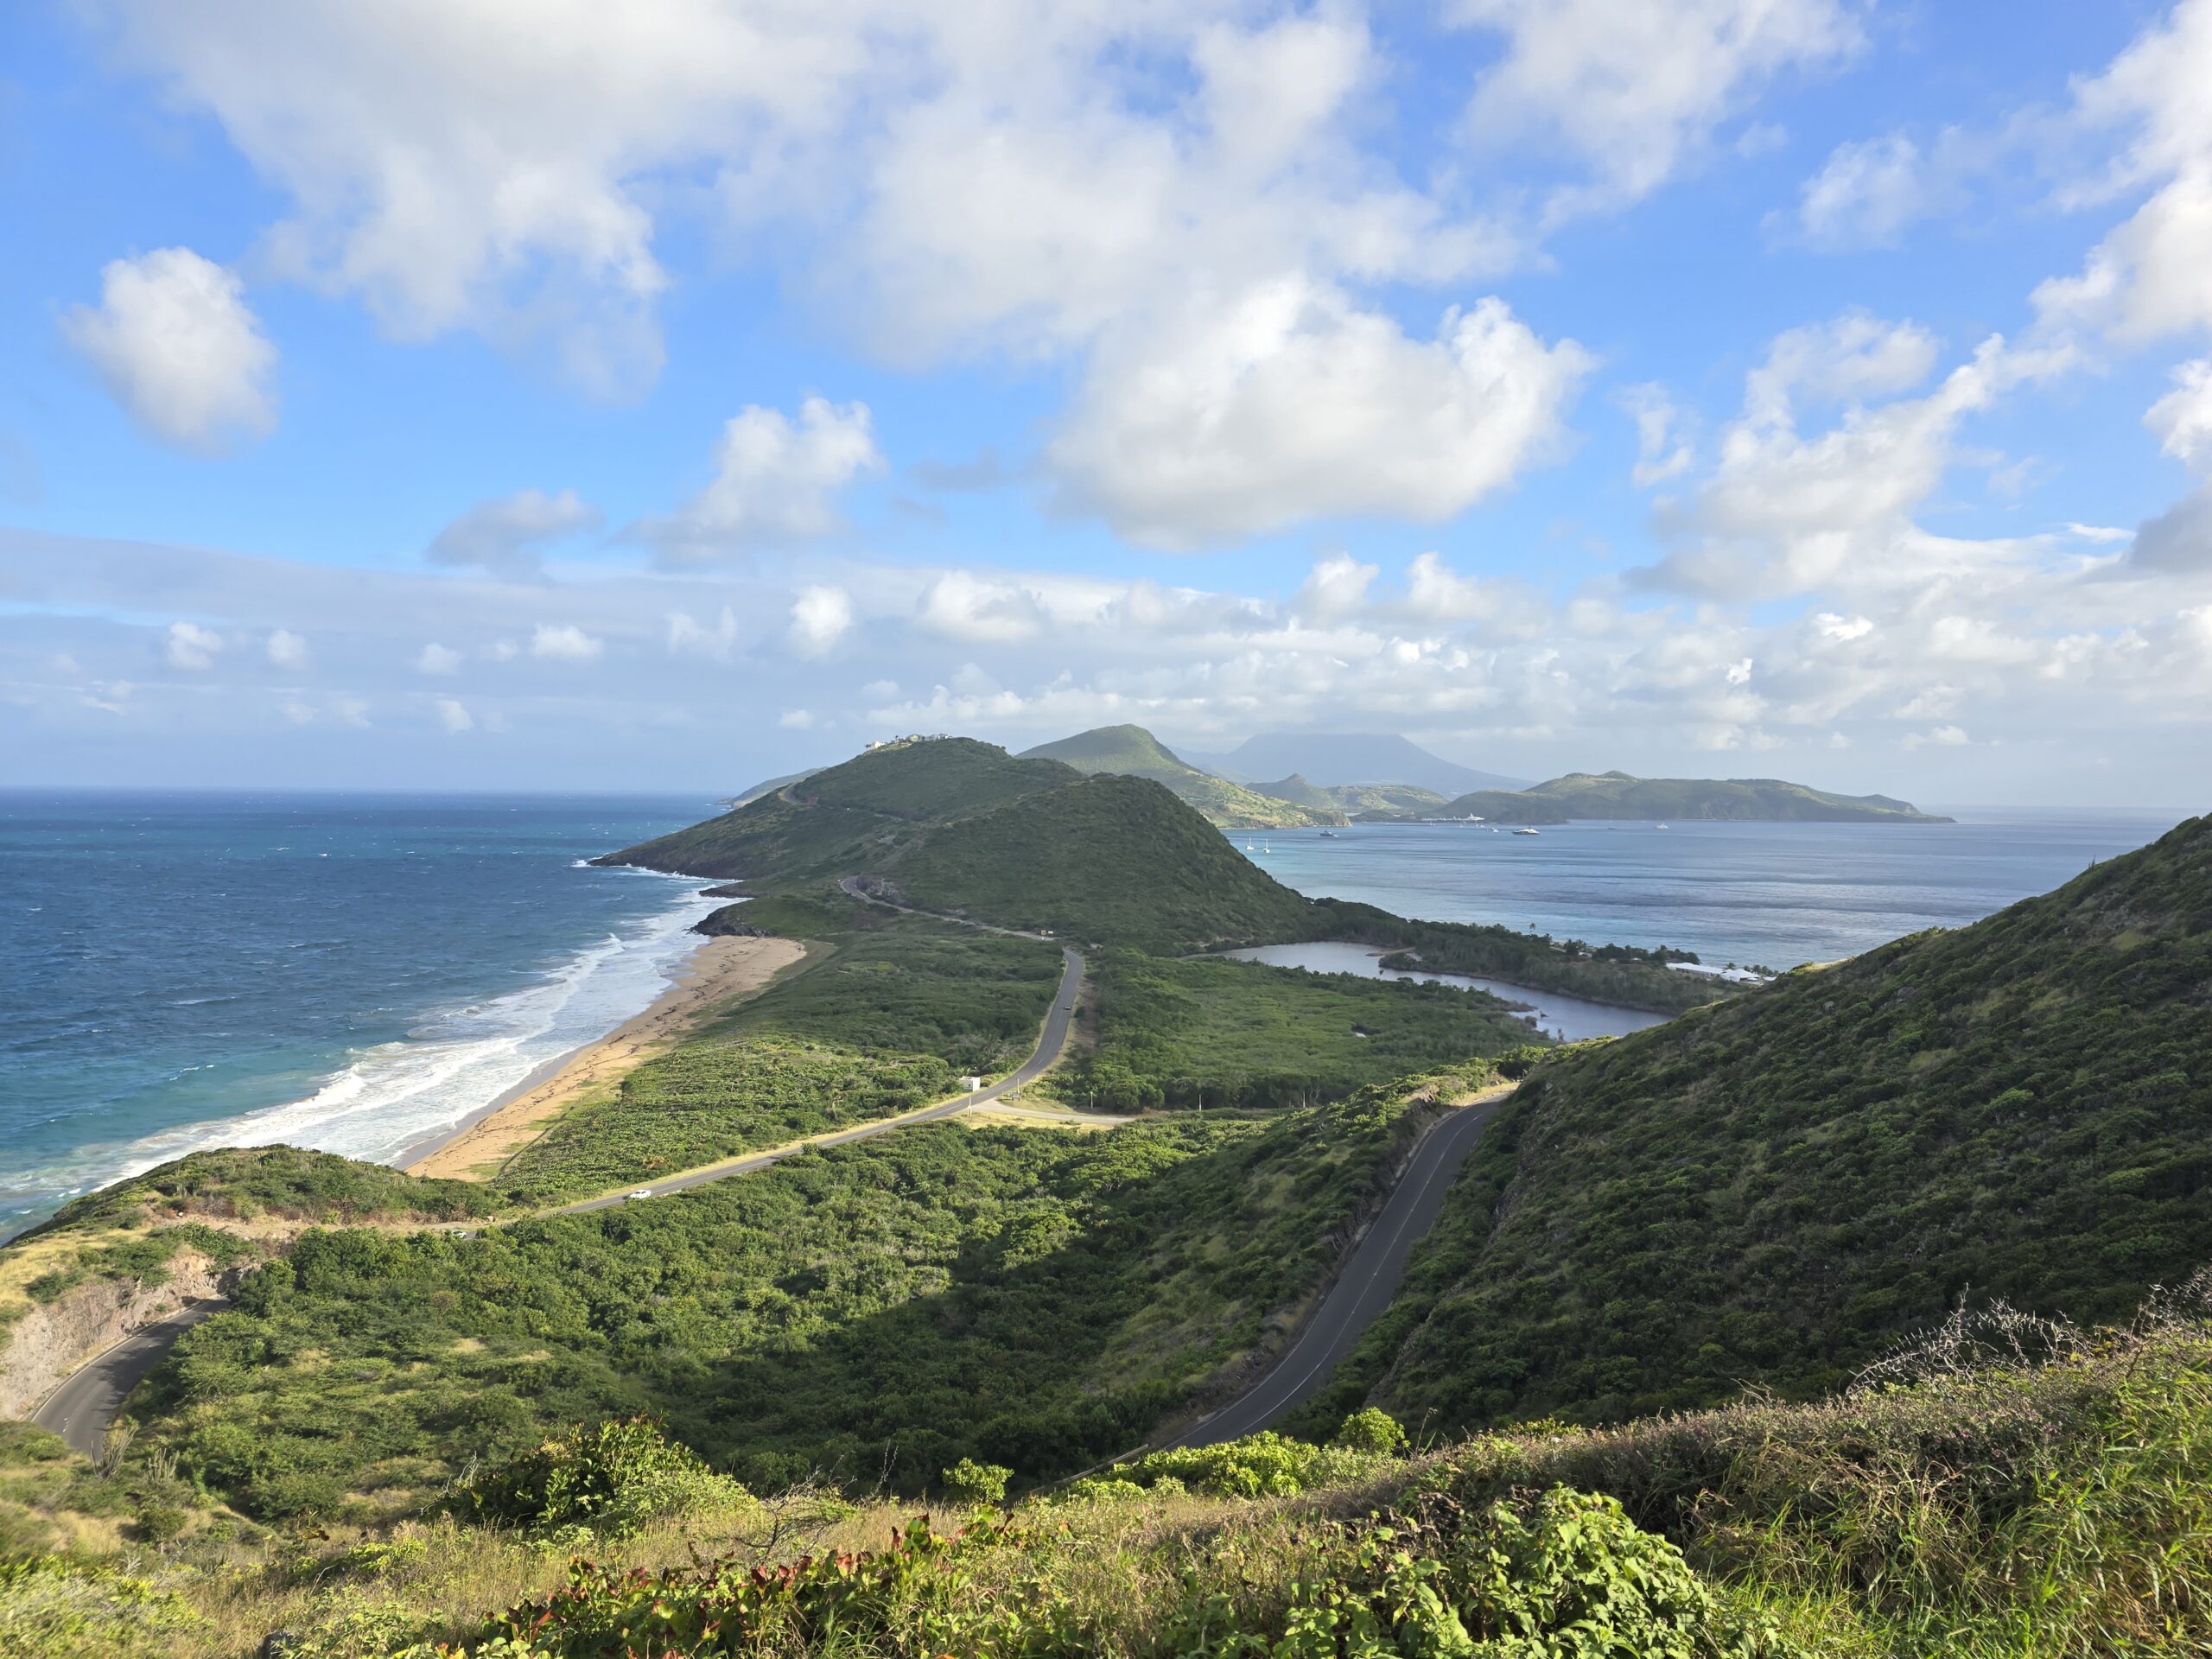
830,819
1617,795
885,1016
1771,1191
1115,859
1242,1034
1133,752
1357,801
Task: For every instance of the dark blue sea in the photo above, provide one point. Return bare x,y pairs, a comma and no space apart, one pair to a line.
352,973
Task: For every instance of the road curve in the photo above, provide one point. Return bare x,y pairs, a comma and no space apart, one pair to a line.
83,1403
1369,1279
1050,1042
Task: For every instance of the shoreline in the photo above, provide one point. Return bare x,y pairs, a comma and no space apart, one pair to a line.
720,970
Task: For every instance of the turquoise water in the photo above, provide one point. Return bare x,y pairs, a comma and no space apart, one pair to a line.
350,973
1774,895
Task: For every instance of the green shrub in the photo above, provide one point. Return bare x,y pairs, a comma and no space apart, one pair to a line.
970,1482
1372,1429
610,1476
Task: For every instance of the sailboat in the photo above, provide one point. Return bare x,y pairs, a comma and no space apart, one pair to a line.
1525,830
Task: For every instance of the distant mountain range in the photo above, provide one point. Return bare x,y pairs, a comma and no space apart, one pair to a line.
1330,759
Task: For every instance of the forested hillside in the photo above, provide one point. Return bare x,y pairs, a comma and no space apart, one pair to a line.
1771,1191
1133,752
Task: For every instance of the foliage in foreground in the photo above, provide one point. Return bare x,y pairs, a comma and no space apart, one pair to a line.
1961,1503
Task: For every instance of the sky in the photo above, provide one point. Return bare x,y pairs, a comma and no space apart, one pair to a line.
540,394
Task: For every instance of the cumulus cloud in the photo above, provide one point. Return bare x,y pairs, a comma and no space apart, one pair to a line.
1784,512
962,606
821,616
1291,401
2179,539
1336,587
453,717
1636,91
192,647
775,482
286,650
564,642
174,343
510,533
2145,279
435,658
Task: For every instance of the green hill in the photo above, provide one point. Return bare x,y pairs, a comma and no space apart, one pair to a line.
831,821
1133,752
1117,860
1618,795
1771,1191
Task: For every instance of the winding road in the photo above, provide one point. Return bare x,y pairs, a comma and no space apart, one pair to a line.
83,1403
1363,1288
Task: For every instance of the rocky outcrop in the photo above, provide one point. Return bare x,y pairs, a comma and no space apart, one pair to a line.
45,1345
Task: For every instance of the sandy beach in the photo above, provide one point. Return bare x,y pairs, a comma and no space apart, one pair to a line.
719,972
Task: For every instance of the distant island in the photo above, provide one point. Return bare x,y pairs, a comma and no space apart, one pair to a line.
1618,795
1300,801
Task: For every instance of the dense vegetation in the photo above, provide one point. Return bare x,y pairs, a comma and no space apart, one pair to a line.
1617,795
1215,1033
1770,1191
1131,752
886,1015
1029,1297
1961,1507
1119,860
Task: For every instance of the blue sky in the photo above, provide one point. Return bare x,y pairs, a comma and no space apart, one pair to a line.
414,394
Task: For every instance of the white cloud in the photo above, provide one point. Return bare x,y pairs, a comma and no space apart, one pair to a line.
1290,402
821,616
1336,587
775,481
1866,195
192,647
286,650
435,658
689,637
1636,91
2101,533
2182,419
1949,737
2146,278
1782,512
510,533
564,642
176,346
453,717
795,720
1663,449
963,605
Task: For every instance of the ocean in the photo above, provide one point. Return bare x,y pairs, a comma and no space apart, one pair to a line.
354,972
359,973
1773,895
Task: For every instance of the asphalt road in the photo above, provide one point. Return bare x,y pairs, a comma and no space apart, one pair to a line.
82,1408
1362,1289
